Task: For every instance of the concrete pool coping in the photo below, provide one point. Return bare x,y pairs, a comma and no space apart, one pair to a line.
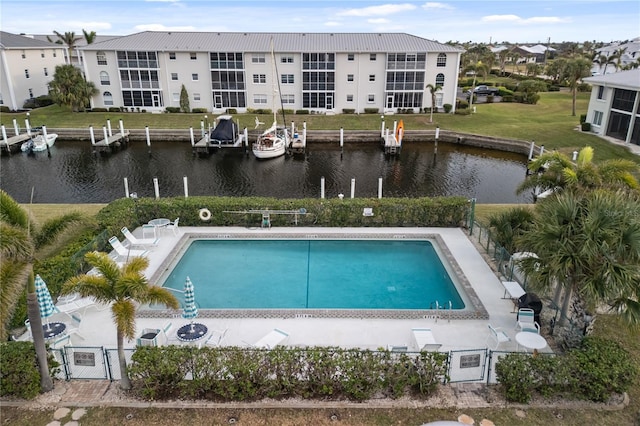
474,309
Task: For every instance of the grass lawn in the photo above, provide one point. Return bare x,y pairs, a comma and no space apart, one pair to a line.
548,123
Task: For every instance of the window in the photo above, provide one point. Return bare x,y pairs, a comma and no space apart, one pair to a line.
260,99
372,56
372,77
174,76
104,78
442,60
176,97
440,80
286,59
601,92
107,98
24,55
258,58
55,54
196,96
286,78
46,72
259,79
351,57
371,98
597,118
42,53
194,77
193,56
101,57
349,98
288,99
30,93
26,73
172,56
349,77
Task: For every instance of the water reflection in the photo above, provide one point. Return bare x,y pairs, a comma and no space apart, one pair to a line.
73,174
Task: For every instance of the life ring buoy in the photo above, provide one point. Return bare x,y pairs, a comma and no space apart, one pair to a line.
400,130
204,214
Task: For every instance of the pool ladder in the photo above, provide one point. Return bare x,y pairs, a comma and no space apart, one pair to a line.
438,307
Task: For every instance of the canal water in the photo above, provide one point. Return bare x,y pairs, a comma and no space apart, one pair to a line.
74,174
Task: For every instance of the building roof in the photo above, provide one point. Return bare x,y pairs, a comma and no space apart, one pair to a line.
283,42
623,80
14,41
80,42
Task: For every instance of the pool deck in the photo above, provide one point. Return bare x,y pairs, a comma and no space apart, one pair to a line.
98,329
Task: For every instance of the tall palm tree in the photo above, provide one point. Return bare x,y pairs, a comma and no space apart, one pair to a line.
555,171
89,37
17,251
433,89
588,245
68,38
69,88
124,288
576,70
508,225
618,57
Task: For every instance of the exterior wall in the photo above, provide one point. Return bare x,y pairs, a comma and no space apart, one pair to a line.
604,105
14,83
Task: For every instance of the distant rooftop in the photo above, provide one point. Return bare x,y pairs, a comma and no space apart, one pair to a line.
622,79
15,41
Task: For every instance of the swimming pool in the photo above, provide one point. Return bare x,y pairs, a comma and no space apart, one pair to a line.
332,276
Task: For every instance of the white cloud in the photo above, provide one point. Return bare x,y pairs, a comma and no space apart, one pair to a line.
518,20
434,5
378,21
384,9
332,24
161,27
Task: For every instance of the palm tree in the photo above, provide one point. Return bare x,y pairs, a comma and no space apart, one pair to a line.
618,57
69,88
476,68
503,56
124,288
589,246
508,225
555,171
89,37
17,251
576,70
69,38
433,89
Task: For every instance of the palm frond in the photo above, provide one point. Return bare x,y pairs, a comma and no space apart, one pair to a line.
11,212
15,243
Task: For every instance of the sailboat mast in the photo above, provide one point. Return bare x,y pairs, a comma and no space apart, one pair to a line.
275,72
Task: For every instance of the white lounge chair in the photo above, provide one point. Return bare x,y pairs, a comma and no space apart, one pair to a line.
216,337
425,340
123,251
526,321
271,340
499,336
141,242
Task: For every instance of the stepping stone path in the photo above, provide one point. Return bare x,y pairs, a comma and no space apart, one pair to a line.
62,413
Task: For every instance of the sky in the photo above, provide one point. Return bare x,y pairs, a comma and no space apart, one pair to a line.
487,22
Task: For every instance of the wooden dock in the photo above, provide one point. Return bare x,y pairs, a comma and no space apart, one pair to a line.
391,145
14,143
205,147
113,142
297,146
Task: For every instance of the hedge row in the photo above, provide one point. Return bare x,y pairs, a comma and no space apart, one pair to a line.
438,211
241,374
19,374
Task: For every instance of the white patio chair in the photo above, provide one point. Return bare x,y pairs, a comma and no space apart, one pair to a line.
499,336
141,242
216,337
526,321
271,339
173,226
425,340
124,252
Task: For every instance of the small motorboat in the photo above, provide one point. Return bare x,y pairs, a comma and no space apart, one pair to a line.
39,143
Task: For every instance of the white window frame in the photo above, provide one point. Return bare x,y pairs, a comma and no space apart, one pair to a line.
372,56
196,97
101,58
350,78
286,59
258,58
107,98
174,76
259,99
597,118
172,56
259,79
349,98
441,61
351,57
372,77
371,98
193,56
105,80
194,76
601,93
289,99
287,78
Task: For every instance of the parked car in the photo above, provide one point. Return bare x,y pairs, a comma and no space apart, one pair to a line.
486,90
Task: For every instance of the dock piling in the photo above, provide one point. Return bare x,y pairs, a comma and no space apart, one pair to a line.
156,188
379,187
109,127
16,129
126,187
44,135
322,187
146,132
353,187
185,183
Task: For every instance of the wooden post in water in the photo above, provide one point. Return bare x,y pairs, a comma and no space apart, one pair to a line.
27,124
44,135
156,188
304,133
106,136
16,129
382,128
341,137
109,127
121,124
146,132
379,187
533,145
246,141
322,187
185,183
353,187
126,187
435,152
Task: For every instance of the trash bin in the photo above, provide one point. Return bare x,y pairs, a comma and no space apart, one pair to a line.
531,301
149,337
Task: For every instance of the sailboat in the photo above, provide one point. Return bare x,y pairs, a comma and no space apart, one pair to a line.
272,142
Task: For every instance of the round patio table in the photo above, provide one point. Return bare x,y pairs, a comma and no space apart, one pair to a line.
531,340
192,332
53,329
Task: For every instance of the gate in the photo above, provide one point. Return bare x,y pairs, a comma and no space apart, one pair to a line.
79,362
467,365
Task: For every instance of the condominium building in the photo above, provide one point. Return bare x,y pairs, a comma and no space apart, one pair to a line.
27,66
320,72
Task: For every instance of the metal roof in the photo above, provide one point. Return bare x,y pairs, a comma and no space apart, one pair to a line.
283,42
14,41
622,79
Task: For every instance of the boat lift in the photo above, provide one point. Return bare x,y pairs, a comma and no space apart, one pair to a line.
266,214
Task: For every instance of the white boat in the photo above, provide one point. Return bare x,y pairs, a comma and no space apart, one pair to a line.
38,143
274,141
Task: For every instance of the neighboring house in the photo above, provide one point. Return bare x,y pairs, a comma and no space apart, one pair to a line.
528,54
630,56
319,72
26,68
614,106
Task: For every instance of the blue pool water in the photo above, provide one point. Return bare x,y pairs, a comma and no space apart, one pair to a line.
315,274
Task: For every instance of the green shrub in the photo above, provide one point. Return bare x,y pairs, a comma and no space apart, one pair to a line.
4,108
99,109
371,110
553,88
199,110
503,91
584,87
586,127
232,111
348,110
447,108
466,111
172,110
19,374
286,111
516,377
302,112
114,109
583,118
461,104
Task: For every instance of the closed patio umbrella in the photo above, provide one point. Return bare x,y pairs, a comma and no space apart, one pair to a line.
45,303
190,310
